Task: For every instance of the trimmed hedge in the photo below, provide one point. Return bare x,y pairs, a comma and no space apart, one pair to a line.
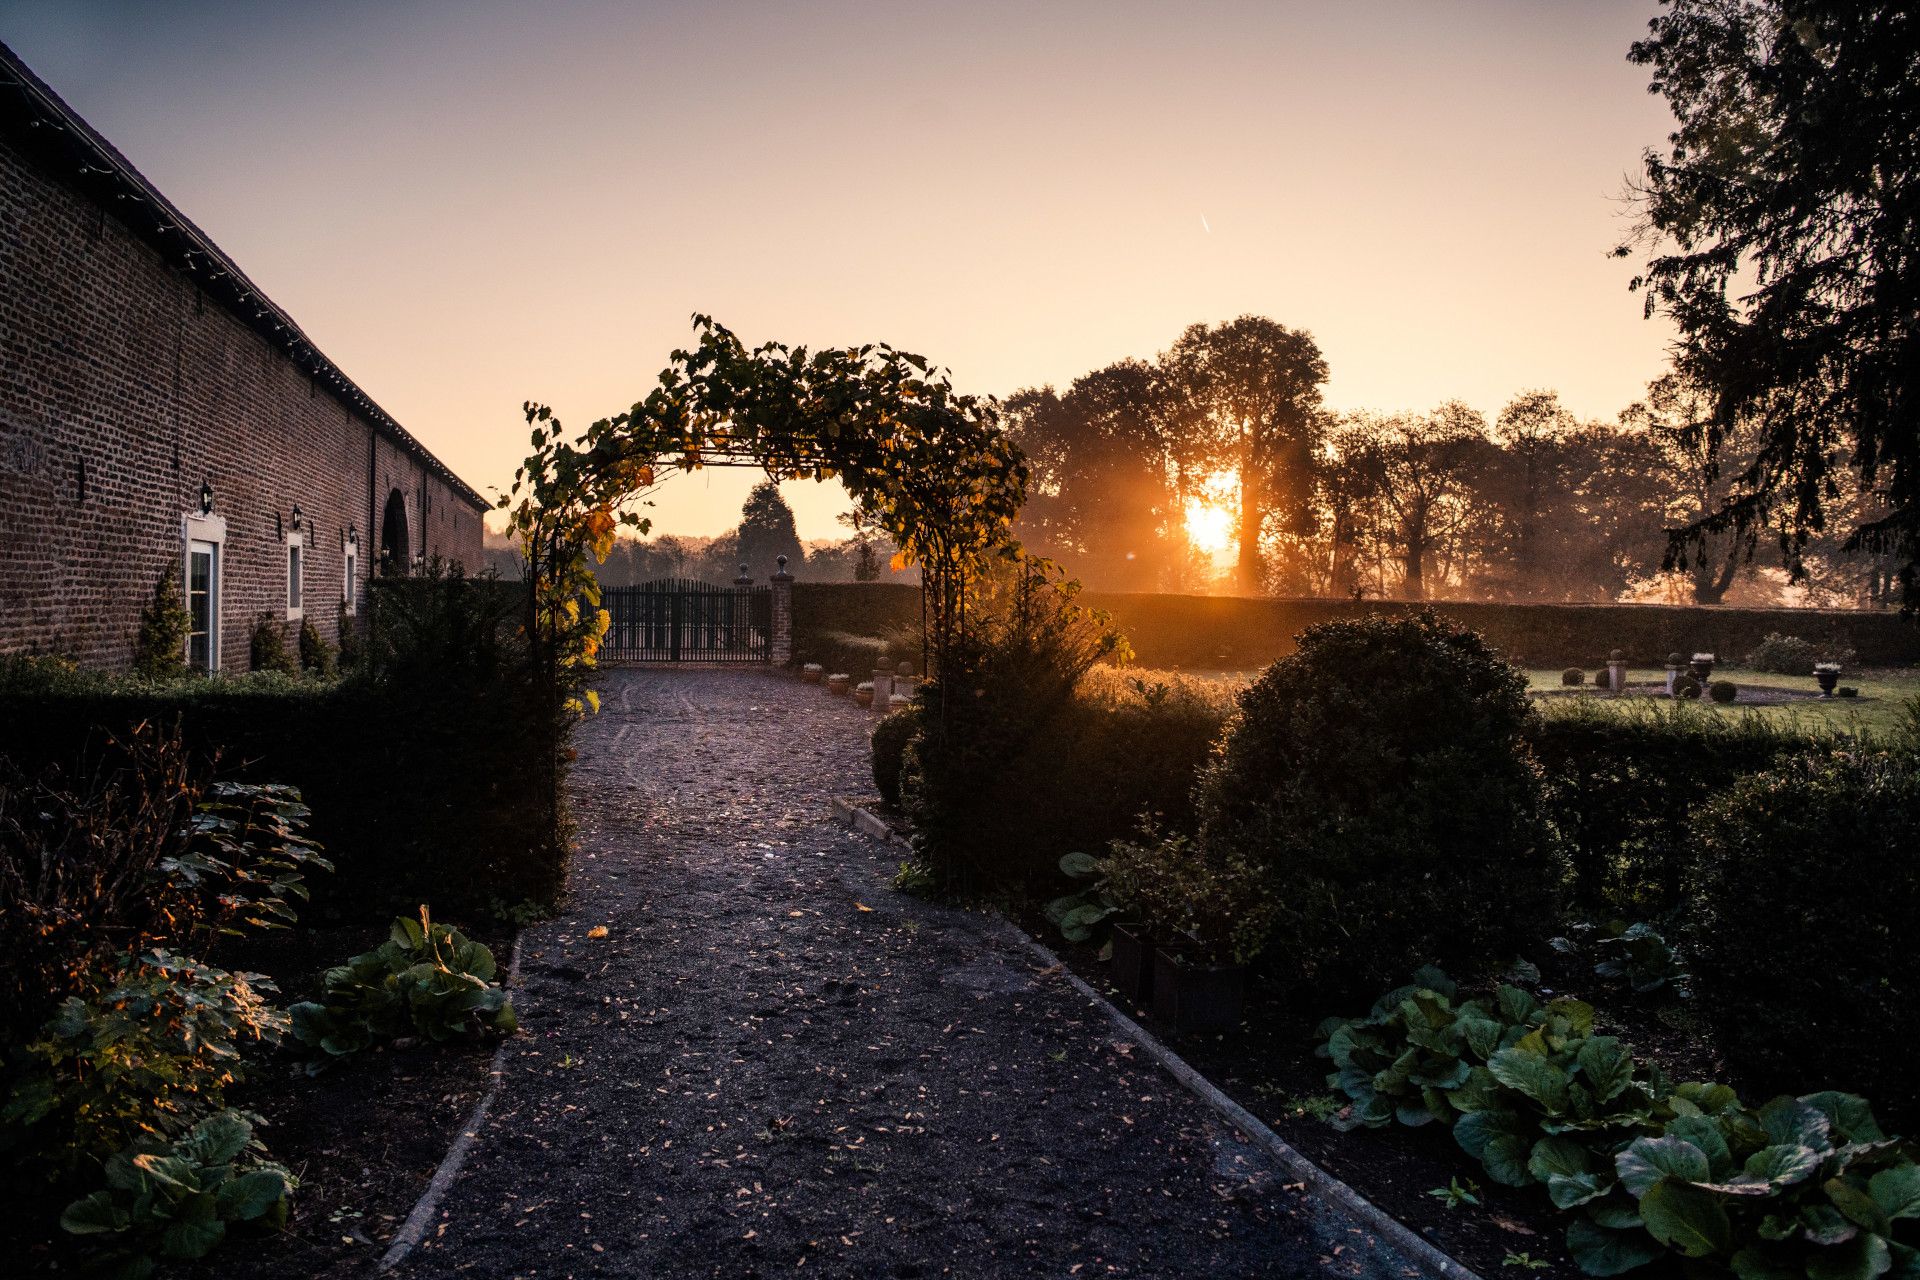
1801,910
1382,777
1243,632
1625,781
424,773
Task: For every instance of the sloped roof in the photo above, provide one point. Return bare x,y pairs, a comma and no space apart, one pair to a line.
37,117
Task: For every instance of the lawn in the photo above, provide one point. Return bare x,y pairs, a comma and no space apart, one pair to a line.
1880,710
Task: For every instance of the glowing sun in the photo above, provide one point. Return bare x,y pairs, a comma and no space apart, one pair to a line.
1210,514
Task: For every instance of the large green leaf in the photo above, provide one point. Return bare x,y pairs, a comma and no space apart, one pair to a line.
1897,1190
1793,1122
1848,1114
1704,1134
1782,1165
196,1232
1473,1132
220,1138
1557,1155
1599,1251
1505,1160
1080,866
1607,1065
1516,1006
1646,1161
1569,1191
1533,1076
1686,1218
1861,1258
97,1214
250,1195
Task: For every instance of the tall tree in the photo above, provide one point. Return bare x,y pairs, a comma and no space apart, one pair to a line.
767,531
1100,497
1781,225
1418,470
1244,396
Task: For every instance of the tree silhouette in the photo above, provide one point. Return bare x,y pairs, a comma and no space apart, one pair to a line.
1779,225
1245,396
767,531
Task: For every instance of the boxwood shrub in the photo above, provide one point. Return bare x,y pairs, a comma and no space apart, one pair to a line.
1383,776
1800,923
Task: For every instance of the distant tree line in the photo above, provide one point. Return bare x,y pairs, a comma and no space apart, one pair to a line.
766,532
1535,505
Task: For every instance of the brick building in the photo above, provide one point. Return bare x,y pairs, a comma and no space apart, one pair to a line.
157,411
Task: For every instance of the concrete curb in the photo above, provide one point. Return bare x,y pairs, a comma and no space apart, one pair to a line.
1402,1237
414,1229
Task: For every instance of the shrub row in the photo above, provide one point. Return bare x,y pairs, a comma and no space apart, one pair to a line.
433,770
1231,632
1386,798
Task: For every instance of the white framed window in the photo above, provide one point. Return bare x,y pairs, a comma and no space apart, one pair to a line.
349,574
296,554
203,539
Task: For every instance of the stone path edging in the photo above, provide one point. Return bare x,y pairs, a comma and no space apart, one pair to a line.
1256,1130
414,1229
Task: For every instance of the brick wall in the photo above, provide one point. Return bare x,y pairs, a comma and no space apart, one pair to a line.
122,389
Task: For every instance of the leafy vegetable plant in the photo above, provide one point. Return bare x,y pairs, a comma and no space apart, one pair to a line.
176,1201
426,979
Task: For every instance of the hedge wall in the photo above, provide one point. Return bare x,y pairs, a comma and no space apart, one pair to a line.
1211,632
425,777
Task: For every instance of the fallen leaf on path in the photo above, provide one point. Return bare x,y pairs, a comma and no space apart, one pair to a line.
863,906
598,931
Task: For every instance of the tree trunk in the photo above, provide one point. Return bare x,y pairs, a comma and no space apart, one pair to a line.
1709,586
1248,571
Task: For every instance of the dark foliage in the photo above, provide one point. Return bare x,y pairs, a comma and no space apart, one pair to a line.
1624,788
267,647
1382,775
159,646
1011,675
1801,910
890,740
433,770
1780,222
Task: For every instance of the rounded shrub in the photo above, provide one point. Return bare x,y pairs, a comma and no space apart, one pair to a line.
1686,687
1572,677
1381,776
1723,691
1799,926
1602,678
890,740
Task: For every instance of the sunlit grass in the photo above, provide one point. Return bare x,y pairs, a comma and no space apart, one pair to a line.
1881,710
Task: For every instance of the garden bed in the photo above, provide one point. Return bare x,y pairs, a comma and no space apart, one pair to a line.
1268,1066
363,1138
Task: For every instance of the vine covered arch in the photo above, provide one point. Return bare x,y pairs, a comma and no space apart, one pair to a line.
922,462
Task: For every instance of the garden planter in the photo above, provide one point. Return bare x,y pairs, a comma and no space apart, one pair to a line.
863,693
1131,964
839,682
813,673
1828,678
1702,667
1197,998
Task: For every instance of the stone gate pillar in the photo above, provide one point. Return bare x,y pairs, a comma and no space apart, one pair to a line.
781,647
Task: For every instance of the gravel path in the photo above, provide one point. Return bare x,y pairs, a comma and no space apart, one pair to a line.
772,1063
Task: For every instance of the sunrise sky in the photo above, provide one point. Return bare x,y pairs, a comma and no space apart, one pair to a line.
470,205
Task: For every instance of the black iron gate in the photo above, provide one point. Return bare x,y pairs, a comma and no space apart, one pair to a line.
682,620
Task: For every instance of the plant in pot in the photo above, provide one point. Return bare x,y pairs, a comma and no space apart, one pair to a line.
1828,675
1210,912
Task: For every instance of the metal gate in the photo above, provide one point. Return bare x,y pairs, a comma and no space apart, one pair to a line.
682,620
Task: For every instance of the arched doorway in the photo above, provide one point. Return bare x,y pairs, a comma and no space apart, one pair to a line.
396,554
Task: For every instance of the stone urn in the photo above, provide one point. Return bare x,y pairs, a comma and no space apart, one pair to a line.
899,702
1701,666
1828,674
863,693
839,682
813,673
